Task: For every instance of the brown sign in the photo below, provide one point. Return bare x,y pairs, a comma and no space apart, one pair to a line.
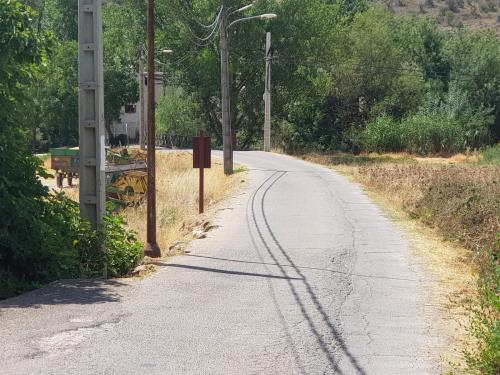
202,152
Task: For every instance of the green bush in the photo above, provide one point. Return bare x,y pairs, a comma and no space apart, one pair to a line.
48,240
42,237
284,136
123,250
491,155
431,133
352,140
382,134
485,324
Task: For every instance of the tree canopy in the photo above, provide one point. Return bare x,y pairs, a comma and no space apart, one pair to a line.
336,67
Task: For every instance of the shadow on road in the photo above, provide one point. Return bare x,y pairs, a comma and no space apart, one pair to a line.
306,268
240,273
66,292
327,345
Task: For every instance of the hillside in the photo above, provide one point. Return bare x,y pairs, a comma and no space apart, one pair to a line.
474,14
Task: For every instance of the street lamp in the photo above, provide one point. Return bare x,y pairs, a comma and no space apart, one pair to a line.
242,9
265,16
224,62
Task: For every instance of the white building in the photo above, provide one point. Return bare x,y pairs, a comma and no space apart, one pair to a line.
130,114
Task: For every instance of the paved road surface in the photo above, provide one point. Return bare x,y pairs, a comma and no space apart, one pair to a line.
304,276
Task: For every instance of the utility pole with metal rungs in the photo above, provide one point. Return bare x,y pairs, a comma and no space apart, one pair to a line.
152,249
142,122
224,77
267,96
91,111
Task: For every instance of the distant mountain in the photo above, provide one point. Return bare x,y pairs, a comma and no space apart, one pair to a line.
474,14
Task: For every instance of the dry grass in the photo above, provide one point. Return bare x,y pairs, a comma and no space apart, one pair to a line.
177,197
461,200
449,14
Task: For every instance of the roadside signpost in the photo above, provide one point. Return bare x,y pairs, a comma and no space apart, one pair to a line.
201,159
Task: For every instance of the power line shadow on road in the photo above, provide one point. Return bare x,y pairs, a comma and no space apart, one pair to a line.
325,347
65,292
228,272
306,268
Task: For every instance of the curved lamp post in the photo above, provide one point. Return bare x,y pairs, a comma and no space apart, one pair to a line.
224,59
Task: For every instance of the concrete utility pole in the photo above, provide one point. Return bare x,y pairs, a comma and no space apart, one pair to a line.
152,249
91,111
224,77
142,122
267,96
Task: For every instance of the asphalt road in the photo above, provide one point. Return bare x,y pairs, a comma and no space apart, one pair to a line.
305,275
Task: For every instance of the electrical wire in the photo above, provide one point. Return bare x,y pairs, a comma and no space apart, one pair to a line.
215,28
187,7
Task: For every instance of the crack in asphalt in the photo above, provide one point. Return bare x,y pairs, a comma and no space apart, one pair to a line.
336,336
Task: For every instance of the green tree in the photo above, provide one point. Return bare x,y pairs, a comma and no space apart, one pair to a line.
61,17
123,34
475,62
301,28
177,116
56,94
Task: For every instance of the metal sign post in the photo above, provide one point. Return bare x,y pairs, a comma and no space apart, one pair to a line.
91,111
201,159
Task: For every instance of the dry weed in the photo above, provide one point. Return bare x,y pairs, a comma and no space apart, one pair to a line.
177,197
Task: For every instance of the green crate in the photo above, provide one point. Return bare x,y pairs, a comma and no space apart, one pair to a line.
63,151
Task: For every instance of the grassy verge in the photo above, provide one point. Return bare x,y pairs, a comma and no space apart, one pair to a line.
459,198
177,197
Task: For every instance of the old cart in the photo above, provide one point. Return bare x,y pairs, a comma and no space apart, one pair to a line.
126,176
65,161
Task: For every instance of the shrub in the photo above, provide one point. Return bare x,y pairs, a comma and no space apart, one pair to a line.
123,250
382,134
484,6
42,237
491,155
352,140
485,324
449,17
453,6
284,137
431,133
54,242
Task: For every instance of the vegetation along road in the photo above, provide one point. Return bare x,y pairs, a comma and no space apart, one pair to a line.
305,275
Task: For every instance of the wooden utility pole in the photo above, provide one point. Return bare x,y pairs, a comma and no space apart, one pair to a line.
142,122
224,76
267,96
91,111
201,196
152,249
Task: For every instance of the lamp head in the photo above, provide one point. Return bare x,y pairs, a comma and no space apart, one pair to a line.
268,16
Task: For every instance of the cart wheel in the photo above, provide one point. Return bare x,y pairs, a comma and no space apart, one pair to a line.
70,179
59,179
